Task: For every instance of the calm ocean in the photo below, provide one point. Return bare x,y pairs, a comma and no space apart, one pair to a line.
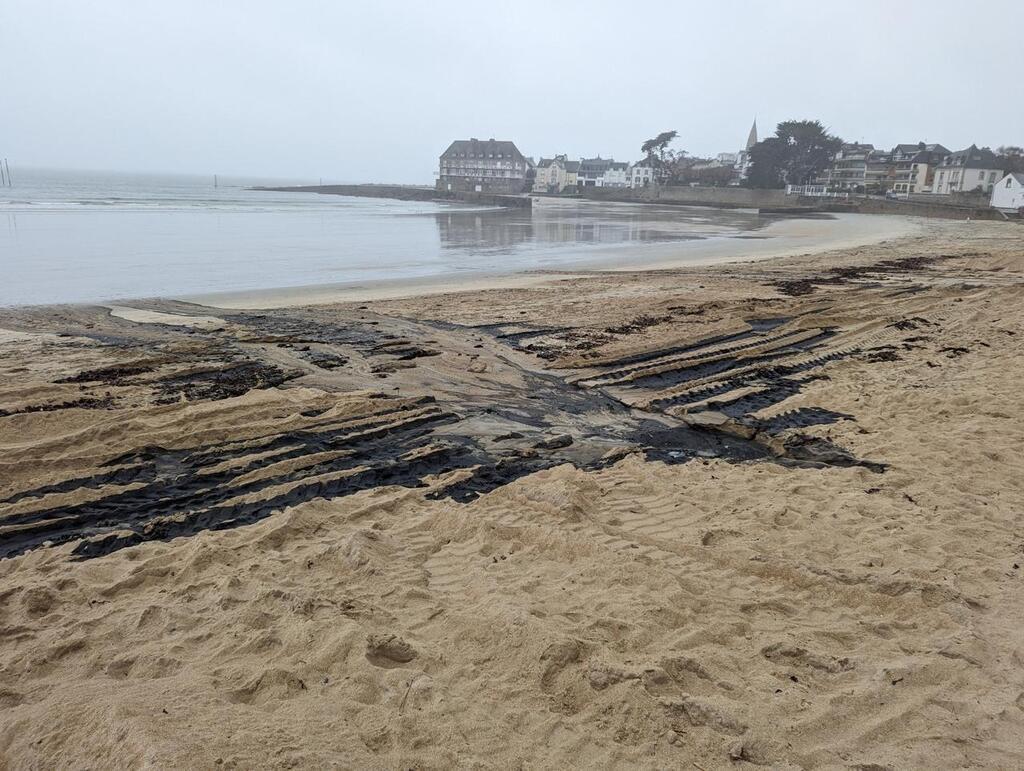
73,236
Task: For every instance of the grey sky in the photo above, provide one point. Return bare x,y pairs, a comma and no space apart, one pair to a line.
374,91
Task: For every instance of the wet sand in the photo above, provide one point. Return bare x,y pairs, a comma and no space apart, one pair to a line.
758,513
798,235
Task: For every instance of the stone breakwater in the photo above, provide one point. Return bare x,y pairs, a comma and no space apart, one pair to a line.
408,193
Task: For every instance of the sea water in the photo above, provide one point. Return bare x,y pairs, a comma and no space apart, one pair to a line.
74,236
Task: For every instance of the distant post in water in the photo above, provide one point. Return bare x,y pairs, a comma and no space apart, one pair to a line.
8,172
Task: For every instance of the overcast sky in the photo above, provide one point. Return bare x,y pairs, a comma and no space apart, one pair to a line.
374,91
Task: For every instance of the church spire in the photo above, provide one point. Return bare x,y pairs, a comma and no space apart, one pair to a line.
752,136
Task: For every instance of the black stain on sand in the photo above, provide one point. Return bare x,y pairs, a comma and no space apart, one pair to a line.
162,493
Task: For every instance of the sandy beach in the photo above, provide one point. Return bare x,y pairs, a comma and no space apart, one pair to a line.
765,512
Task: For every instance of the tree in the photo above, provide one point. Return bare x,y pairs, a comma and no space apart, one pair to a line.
768,160
799,151
659,144
1011,158
811,149
531,176
660,157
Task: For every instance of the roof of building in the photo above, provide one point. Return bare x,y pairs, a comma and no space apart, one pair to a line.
919,147
619,165
474,148
597,165
972,158
546,162
752,136
929,156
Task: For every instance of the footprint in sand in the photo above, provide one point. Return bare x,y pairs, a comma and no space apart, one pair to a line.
785,518
38,601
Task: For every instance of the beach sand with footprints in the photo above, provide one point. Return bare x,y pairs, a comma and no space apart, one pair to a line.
763,513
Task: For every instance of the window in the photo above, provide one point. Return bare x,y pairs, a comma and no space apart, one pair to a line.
1008,181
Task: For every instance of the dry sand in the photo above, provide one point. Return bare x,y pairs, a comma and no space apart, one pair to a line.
476,529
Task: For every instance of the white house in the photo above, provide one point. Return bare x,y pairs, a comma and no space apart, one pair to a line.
617,175
967,170
641,173
602,172
1008,193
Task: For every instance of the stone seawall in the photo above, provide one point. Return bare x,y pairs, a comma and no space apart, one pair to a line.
725,197
776,201
916,209
409,193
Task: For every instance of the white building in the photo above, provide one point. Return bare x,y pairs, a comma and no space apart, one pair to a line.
967,170
1008,193
641,173
617,175
602,172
